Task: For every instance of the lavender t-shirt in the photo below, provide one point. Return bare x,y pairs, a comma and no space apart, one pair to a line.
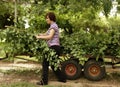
55,38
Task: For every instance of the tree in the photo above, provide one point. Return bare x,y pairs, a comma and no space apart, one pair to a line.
6,14
88,33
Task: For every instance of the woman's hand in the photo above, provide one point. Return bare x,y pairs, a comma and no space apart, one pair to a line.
46,37
38,36
42,34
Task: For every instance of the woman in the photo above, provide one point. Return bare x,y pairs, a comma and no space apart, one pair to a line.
52,37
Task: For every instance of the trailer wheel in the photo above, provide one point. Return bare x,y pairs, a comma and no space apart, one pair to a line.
94,70
72,69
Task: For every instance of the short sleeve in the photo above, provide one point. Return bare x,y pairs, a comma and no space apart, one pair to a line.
54,26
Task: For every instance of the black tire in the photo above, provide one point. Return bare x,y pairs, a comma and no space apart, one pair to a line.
94,70
72,69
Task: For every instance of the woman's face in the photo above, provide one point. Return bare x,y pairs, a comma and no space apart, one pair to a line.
48,20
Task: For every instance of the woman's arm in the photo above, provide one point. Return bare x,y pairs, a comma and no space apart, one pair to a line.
46,37
42,34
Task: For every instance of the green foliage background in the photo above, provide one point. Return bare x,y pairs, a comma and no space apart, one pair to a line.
84,31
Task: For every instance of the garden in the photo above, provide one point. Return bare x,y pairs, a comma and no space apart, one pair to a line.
88,29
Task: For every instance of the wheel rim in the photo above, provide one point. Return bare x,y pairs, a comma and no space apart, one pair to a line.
70,69
94,70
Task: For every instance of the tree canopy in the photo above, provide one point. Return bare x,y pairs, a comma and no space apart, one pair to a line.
84,31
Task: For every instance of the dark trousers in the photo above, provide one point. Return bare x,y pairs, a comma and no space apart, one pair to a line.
60,75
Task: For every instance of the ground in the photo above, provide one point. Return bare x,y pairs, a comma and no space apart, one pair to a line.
30,72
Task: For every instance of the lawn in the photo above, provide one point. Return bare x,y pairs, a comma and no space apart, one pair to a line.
25,84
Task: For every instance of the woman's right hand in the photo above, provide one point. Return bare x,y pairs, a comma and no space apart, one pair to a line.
40,34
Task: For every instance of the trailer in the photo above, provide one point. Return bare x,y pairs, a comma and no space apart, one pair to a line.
93,69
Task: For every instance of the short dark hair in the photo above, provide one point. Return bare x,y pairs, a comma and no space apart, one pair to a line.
51,15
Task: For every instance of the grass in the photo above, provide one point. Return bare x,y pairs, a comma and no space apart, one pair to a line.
56,86
113,76
19,84
23,57
22,72
26,84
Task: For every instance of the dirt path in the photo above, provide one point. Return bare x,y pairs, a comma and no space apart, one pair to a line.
111,80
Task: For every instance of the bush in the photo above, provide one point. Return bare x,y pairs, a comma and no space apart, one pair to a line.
21,41
94,43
